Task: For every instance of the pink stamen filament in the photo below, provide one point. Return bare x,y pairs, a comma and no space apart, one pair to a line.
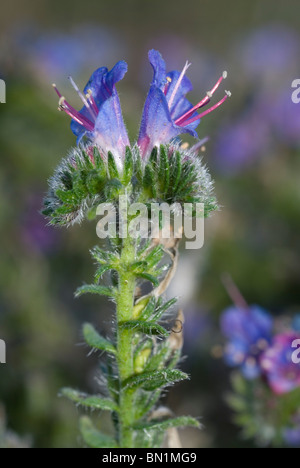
93,103
78,118
65,105
169,81
203,101
83,98
199,116
73,113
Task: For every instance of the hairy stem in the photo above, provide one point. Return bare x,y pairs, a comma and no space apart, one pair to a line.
125,302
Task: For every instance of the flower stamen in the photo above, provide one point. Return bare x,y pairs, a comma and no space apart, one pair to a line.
63,105
83,98
199,116
92,101
203,102
178,82
169,80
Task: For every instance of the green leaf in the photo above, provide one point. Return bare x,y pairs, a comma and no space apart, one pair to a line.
149,308
138,169
145,403
158,359
128,166
94,289
149,328
94,182
66,196
89,401
188,176
94,438
112,167
99,163
155,256
181,421
87,160
177,168
79,186
154,157
94,340
153,380
112,189
99,254
164,169
159,312
101,270
138,267
148,277
149,181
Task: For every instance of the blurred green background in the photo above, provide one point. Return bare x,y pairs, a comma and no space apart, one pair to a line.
253,155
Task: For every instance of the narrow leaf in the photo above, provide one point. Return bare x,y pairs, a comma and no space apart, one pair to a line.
162,309
99,163
128,166
89,401
94,438
101,270
176,171
181,421
149,181
138,170
94,289
152,380
94,340
149,277
112,167
149,328
164,169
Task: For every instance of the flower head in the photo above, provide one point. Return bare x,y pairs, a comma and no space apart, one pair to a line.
282,373
249,332
167,113
100,119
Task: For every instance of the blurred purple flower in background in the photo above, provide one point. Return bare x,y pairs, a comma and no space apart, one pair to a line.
268,52
240,143
48,54
33,233
285,118
197,325
291,435
282,373
249,332
266,64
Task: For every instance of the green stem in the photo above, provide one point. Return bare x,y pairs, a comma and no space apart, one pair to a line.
125,302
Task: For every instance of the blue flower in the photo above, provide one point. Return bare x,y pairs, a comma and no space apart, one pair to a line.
249,333
291,435
282,373
167,113
100,120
